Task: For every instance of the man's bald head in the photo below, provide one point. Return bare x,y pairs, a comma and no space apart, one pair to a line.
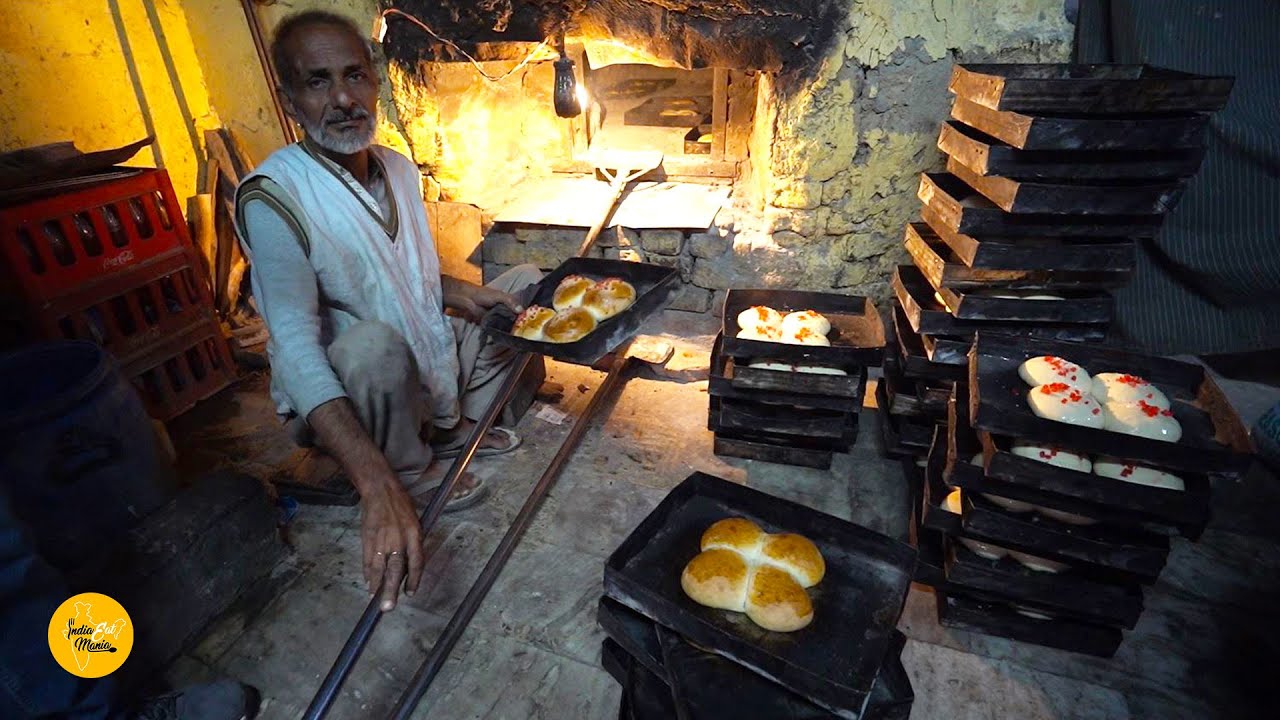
294,27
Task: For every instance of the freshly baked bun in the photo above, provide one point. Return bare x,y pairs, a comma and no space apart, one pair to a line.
718,579
952,503
745,569
795,555
1142,419
608,298
763,333
1124,470
1119,387
569,325
530,323
1063,403
806,336
737,534
775,601
811,319
569,292
760,315
1047,369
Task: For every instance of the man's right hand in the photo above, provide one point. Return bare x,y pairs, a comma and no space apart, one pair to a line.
392,539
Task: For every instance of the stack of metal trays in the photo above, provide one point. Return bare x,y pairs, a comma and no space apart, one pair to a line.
767,403
1053,174
676,658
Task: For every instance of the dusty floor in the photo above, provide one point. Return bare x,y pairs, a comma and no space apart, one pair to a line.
533,649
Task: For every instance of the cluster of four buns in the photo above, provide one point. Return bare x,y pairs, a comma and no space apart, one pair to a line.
744,569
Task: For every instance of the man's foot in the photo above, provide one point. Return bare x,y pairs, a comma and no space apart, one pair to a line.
497,441
467,492
218,700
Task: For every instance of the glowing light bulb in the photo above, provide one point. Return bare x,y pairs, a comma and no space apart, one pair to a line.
584,98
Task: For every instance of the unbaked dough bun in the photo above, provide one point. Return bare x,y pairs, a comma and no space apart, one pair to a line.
1110,467
1047,369
1051,455
760,315
1141,419
802,319
1122,387
1062,403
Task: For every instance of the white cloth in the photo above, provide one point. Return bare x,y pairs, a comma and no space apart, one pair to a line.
362,269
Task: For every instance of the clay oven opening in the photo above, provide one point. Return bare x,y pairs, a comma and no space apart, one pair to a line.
474,85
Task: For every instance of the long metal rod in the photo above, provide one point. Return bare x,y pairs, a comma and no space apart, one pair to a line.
363,630
435,660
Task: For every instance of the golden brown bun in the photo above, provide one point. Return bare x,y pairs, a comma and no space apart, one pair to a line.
608,298
718,579
569,325
795,555
737,534
775,601
529,324
569,292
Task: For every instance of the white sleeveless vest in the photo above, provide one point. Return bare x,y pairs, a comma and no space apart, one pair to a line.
365,274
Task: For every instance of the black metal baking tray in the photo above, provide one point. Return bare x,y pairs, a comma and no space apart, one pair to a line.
915,358
787,421
943,193
943,269
1073,197
946,349
1213,438
645,696
932,514
632,631
843,389
910,436
927,316
857,333
962,612
706,686
1071,256
655,286
1075,307
834,661
1068,592
1119,504
742,445
1085,132
1107,553
985,155
1102,89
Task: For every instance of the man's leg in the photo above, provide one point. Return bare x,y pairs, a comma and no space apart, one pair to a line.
380,375
484,365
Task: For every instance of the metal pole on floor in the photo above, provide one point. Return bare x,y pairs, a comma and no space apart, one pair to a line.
435,660
363,630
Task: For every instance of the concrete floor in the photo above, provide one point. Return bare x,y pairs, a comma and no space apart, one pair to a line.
1205,647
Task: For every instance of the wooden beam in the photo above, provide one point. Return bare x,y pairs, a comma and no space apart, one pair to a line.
742,109
719,111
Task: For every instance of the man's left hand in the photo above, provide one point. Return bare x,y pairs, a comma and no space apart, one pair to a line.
473,301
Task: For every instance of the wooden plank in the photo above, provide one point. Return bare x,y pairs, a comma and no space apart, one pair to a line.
742,108
1031,132
719,112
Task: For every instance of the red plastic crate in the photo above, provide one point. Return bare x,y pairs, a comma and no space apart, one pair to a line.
175,375
61,244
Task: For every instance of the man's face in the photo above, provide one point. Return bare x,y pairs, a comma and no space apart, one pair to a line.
335,91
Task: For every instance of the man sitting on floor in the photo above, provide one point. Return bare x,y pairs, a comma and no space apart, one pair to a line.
365,362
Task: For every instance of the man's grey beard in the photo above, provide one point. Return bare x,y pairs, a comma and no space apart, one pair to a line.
343,144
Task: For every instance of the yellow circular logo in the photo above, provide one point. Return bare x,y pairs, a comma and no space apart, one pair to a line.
90,635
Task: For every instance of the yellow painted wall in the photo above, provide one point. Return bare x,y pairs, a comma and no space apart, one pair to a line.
101,73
